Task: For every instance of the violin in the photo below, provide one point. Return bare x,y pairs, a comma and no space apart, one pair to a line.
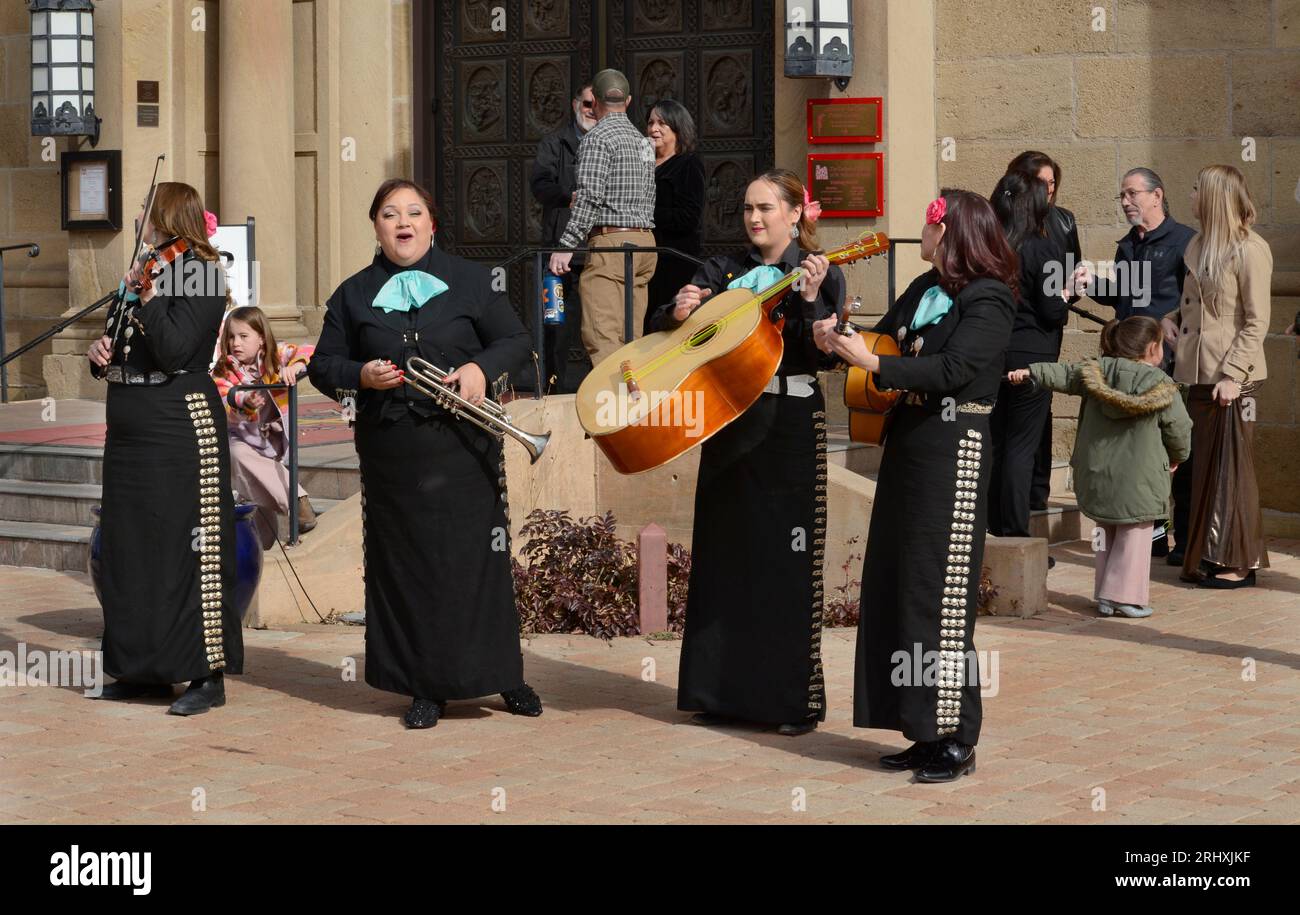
152,260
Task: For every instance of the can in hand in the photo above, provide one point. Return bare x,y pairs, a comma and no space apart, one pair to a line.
552,299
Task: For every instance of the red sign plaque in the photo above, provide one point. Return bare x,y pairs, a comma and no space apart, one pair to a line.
845,120
848,184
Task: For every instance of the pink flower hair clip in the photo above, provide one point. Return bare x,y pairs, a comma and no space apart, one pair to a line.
210,222
811,208
936,211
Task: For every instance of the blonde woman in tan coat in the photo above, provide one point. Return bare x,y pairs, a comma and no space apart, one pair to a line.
1218,335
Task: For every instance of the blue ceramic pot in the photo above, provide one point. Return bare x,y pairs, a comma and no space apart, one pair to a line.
248,557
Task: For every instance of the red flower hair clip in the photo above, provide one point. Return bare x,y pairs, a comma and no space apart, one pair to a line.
936,211
811,208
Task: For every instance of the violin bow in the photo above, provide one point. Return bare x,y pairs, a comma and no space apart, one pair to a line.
136,251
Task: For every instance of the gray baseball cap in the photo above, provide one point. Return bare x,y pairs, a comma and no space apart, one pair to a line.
610,86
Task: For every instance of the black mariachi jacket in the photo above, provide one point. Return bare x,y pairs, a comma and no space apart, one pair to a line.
959,357
176,330
801,355
467,323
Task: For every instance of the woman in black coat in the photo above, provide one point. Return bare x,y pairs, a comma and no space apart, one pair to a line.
1063,230
441,621
1023,411
679,200
167,532
920,579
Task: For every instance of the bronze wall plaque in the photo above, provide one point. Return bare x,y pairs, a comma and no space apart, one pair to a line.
146,90
848,184
845,120
146,115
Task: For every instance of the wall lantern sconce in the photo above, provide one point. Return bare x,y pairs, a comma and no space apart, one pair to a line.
819,40
63,69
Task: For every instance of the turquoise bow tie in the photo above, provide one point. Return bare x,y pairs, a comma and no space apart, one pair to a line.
408,289
934,305
758,279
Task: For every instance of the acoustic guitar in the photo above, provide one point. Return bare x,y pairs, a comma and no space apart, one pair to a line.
657,397
870,407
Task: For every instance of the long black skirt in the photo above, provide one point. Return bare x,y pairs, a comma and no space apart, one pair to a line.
167,535
441,621
752,645
916,669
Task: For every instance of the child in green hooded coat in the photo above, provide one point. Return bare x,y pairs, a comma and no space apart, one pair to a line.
1133,433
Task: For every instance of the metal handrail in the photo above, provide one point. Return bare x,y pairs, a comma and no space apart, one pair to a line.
33,250
292,432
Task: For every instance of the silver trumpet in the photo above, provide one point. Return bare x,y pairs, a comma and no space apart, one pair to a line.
489,416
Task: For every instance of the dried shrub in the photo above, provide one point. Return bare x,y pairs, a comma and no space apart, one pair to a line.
578,576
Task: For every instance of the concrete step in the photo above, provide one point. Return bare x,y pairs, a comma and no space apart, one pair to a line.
48,503
55,463
64,547
1060,522
49,546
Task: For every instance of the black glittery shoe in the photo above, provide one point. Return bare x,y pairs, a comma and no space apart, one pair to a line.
204,693
523,701
914,757
423,713
950,760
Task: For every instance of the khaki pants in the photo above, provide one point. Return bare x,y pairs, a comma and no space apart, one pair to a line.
601,288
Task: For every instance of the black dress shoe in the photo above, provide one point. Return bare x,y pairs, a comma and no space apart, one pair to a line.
1175,557
423,713
710,720
1051,563
794,729
914,757
523,701
1160,547
123,690
950,760
1227,584
204,693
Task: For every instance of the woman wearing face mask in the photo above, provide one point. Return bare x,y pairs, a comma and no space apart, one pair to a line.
441,622
920,580
752,646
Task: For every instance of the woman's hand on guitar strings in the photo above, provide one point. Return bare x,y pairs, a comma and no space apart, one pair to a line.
815,267
852,349
687,300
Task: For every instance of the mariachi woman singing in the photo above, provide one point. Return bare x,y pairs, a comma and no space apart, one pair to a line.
752,646
167,522
441,621
920,581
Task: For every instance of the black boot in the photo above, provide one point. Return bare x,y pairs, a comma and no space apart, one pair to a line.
523,701
950,760
204,693
423,713
796,728
123,690
914,757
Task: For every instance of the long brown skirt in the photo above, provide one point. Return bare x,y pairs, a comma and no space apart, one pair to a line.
1227,527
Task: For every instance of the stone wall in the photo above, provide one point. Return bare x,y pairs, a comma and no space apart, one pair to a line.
35,290
1173,85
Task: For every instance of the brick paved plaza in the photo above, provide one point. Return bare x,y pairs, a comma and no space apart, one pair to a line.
1154,713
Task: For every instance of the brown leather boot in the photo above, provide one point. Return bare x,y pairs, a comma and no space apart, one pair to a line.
306,515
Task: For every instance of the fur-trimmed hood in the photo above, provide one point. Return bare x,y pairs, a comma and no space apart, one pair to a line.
1122,387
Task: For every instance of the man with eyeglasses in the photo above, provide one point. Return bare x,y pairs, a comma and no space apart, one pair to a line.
1148,280
555,184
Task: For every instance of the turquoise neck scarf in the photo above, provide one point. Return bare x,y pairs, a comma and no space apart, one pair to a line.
408,289
934,305
758,279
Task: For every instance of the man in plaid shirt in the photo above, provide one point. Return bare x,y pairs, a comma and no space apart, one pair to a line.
614,205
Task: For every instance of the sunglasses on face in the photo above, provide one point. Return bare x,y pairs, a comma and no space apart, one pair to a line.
588,104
